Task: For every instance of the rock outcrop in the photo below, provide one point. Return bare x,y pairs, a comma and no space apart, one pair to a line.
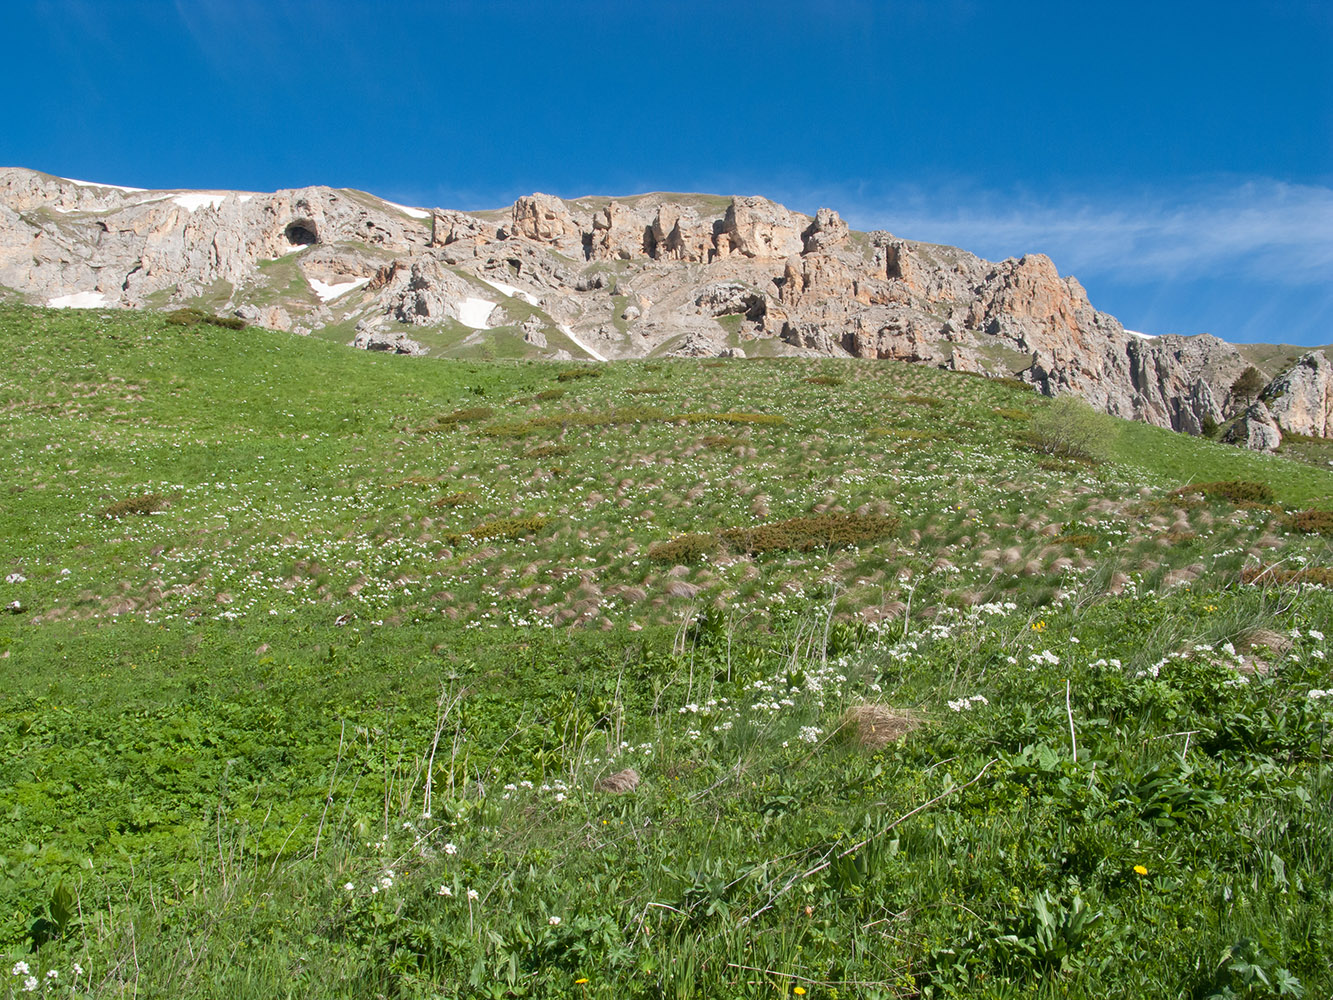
693,275
1255,429
1301,399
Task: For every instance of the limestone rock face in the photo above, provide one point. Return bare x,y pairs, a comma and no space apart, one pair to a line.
618,233
826,232
1256,429
696,275
678,233
544,218
757,227
424,293
1301,399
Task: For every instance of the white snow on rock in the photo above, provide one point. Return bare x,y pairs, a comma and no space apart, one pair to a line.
416,213
473,312
94,184
79,300
327,292
190,202
1141,336
511,291
564,328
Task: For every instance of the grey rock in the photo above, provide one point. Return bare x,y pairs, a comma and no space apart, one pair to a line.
1301,399
1255,429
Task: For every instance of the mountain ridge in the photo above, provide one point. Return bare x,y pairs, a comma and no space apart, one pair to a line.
607,277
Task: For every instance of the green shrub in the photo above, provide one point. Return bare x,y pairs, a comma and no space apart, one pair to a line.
546,395
820,531
685,549
1010,413
508,529
457,499
1069,428
573,374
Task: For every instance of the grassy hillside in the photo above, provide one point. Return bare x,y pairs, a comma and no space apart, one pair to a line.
318,663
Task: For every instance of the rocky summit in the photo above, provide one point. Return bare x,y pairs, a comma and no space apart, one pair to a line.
608,278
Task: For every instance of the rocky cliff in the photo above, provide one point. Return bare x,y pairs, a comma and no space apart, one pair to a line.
619,278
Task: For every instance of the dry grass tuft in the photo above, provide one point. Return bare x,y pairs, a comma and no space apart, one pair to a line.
620,782
874,726
1262,638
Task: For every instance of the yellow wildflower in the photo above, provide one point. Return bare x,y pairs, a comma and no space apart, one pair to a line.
1140,869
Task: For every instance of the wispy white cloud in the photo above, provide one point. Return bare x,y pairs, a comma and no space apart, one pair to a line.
1264,229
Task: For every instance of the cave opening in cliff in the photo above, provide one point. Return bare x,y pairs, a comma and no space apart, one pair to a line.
301,233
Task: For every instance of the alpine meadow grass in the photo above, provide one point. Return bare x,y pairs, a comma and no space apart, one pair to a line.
324,674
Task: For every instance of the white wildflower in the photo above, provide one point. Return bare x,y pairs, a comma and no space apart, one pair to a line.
553,921
450,848
444,890
473,894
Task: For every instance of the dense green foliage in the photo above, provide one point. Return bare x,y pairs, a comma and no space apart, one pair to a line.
329,716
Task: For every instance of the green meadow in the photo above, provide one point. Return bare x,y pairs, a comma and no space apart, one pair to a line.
335,674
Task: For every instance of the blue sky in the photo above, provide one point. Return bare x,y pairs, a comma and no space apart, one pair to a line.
1177,157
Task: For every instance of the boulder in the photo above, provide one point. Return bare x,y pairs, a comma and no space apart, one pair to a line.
1255,429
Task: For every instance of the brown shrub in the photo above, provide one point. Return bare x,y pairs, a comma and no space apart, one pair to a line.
684,549
548,451
1316,522
803,534
1236,491
1322,575
464,416
149,503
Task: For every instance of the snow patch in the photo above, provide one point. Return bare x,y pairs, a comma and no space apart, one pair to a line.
327,292
1141,336
511,291
94,184
78,300
243,198
191,202
564,328
416,213
473,312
